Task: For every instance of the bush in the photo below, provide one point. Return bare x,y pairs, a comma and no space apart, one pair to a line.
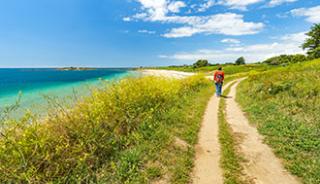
201,63
73,145
286,59
240,61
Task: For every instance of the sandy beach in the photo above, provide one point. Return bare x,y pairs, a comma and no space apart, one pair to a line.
170,73
167,73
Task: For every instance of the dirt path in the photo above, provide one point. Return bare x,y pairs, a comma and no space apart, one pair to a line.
207,169
261,165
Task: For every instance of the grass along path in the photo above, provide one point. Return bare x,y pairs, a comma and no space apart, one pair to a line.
284,105
207,168
261,165
230,160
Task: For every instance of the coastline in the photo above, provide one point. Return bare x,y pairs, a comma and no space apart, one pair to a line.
35,98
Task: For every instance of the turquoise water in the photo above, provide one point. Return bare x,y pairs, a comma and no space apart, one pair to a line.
33,86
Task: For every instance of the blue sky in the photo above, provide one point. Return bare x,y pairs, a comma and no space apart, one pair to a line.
120,33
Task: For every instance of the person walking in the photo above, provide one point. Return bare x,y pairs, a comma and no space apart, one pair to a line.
218,80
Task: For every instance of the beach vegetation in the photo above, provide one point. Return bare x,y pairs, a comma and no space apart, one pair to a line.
123,132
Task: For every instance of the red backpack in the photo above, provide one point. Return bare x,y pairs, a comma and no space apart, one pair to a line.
219,77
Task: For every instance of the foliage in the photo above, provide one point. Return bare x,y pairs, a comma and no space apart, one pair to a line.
201,63
5,112
284,104
286,59
312,44
117,135
240,61
315,53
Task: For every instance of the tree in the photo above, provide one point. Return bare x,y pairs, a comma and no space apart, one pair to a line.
312,43
240,61
201,63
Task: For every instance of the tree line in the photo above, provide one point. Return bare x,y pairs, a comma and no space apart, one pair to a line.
203,63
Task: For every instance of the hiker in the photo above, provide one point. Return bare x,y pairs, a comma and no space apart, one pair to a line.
218,80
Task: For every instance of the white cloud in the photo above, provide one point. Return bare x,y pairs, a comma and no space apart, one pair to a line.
239,4
181,32
156,10
126,19
140,16
312,14
176,6
225,23
287,44
204,7
146,31
230,40
296,37
273,3
232,4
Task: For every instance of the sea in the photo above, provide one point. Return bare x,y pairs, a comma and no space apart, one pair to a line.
31,89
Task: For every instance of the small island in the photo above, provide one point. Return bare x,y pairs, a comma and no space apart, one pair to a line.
75,69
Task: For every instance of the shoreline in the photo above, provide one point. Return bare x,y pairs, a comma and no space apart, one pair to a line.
34,98
170,74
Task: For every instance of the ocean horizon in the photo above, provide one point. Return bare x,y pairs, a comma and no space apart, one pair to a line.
32,86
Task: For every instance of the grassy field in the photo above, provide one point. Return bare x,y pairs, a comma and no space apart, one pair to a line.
284,105
123,133
228,69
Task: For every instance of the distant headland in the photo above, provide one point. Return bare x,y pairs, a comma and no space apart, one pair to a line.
75,69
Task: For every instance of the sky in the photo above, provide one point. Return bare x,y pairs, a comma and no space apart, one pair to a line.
132,33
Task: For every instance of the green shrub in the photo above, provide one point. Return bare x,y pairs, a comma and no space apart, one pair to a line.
286,59
240,61
98,138
201,63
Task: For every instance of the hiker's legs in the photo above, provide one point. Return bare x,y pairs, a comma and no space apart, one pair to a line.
218,89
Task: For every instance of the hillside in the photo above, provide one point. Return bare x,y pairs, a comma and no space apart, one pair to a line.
284,105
